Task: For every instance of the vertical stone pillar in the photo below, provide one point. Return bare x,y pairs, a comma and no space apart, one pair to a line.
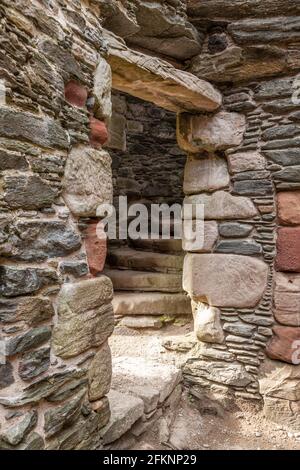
227,277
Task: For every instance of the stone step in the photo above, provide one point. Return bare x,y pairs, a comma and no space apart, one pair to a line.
147,261
171,245
144,281
156,303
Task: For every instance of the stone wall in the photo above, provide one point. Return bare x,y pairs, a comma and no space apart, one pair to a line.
146,160
55,316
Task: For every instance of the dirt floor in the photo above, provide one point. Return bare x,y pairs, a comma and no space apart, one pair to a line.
242,429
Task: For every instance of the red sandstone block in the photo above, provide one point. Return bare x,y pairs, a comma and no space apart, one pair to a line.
285,344
96,248
98,133
288,249
288,203
76,94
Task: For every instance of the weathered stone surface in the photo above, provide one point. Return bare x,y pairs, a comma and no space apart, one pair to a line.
140,321
289,175
275,88
76,268
34,363
36,240
283,412
241,280
43,387
88,180
117,132
20,281
44,132
154,303
144,281
12,161
281,132
207,324
31,310
235,229
205,174
33,442
125,411
239,247
288,249
221,372
98,133
135,259
99,374
253,188
222,205
265,30
280,380
119,19
288,207
284,345
6,375
62,416
102,90
286,157
15,434
27,340
207,351
163,85
26,191
246,161
164,28
85,318
76,94
218,132
287,299
96,247
210,235
239,329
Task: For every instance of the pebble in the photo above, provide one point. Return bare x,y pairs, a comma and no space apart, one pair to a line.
258,434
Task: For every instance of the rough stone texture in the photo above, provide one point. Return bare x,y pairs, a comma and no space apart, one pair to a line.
288,249
141,321
284,345
163,85
85,316
98,133
234,230
26,192
6,375
16,433
28,340
210,235
34,363
246,161
288,205
224,373
76,94
237,247
100,371
31,310
207,324
144,281
218,132
20,281
126,410
154,303
87,181
280,381
283,412
222,205
96,248
287,299
102,90
241,280
61,416
133,259
205,174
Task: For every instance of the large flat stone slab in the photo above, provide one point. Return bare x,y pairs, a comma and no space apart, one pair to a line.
280,380
225,280
205,174
144,281
151,303
133,259
284,345
287,299
155,80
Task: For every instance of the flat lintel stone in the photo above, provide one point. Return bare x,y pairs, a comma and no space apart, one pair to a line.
155,80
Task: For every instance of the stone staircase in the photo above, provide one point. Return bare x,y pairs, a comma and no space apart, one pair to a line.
147,280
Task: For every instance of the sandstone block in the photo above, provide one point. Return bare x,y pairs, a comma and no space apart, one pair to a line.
98,133
284,345
241,280
207,324
140,321
96,248
151,303
76,94
223,130
85,316
87,181
205,174
144,281
283,412
216,371
288,206
246,161
99,374
280,381
287,299
210,236
222,205
288,249
102,90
